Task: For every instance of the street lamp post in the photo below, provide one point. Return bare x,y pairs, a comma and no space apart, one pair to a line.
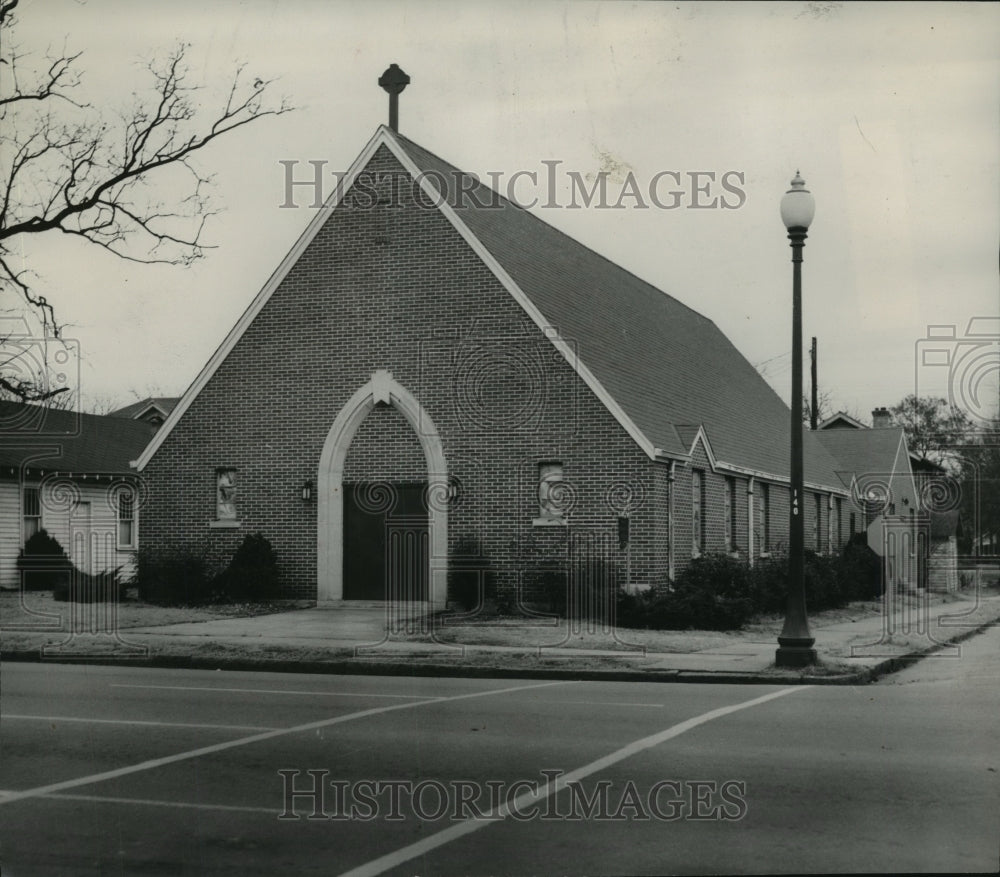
795,642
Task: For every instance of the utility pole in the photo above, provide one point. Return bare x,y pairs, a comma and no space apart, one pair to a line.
814,410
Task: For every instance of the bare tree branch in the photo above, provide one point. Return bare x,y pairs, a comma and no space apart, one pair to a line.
69,168
128,184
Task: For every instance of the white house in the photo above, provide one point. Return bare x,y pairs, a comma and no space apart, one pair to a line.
69,474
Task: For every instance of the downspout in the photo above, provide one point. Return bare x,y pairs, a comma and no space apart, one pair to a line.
750,486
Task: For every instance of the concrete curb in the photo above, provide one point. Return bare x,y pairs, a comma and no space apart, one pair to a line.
901,662
369,667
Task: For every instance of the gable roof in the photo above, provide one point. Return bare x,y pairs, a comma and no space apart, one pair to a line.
841,420
652,361
863,450
164,404
864,454
43,439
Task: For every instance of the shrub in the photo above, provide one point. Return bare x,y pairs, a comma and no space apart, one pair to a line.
547,583
471,578
170,577
719,592
715,592
861,569
646,609
252,574
769,584
43,563
826,584
824,588
79,587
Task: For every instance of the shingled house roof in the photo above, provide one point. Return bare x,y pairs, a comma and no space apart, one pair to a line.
668,366
662,368
165,404
47,440
863,451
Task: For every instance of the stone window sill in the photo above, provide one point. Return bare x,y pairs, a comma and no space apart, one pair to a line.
224,525
549,522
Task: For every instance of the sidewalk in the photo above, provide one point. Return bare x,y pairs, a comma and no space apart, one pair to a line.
353,639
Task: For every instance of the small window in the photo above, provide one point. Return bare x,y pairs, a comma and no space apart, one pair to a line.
697,503
818,523
765,518
225,494
730,515
830,540
32,512
126,520
552,499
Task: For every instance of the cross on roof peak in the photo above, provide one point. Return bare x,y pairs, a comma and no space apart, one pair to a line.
393,81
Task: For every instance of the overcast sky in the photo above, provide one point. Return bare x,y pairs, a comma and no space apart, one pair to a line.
889,111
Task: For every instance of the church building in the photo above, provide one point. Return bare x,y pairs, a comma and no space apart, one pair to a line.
435,378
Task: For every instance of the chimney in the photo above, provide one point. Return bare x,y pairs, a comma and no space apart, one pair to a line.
881,418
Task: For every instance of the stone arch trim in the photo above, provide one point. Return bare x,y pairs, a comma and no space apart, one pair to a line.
330,486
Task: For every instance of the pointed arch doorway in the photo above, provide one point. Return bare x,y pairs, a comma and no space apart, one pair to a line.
331,546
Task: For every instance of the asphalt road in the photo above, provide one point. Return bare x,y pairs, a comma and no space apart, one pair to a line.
121,771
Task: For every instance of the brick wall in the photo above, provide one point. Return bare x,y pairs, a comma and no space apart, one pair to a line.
397,288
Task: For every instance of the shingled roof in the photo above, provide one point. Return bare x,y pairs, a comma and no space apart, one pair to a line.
165,404
48,440
668,366
864,451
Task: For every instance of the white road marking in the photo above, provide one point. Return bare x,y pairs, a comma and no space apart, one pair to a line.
593,703
454,832
4,717
349,694
255,738
99,799
268,691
